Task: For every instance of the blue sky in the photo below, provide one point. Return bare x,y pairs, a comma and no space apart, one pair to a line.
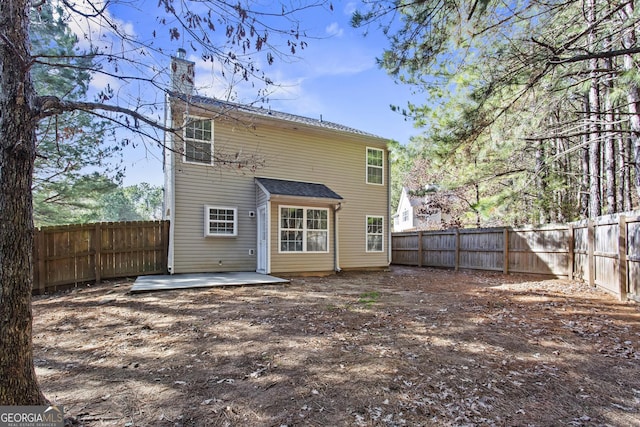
336,76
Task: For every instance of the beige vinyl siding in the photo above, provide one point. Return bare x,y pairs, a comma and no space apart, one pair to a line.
261,197
297,153
199,185
193,252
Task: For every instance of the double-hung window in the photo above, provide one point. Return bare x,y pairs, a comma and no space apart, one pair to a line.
375,166
198,141
304,229
375,233
220,221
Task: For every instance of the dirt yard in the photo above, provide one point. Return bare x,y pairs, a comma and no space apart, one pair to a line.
408,347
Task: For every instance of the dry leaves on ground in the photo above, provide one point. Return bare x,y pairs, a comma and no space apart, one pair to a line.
407,347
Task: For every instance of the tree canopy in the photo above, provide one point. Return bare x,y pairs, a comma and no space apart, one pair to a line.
534,103
77,157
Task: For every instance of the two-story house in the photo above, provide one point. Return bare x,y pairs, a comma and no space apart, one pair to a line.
250,189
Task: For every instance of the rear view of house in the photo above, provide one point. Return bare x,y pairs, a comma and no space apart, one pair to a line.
250,189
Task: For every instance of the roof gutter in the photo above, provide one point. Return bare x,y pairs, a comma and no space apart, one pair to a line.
302,199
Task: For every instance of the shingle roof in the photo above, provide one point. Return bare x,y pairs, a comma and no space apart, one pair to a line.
282,187
423,194
268,113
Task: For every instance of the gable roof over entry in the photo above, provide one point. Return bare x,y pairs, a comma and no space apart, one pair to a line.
283,188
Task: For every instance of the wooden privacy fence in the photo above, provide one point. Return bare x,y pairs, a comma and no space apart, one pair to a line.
73,254
603,252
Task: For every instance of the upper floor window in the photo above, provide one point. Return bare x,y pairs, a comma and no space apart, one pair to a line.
198,141
405,215
220,221
375,166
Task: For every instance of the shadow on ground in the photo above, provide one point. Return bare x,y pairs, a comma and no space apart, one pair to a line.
409,347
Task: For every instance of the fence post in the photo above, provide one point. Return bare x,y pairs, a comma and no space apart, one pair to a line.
457,255
571,252
420,248
622,256
505,266
97,248
591,259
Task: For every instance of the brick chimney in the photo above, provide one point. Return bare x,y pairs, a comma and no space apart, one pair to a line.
182,73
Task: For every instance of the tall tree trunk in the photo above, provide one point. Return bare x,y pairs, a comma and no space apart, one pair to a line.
609,137
477,190
633,94
594,118
584,163
628,199
563,173
18,385
541,183
623,166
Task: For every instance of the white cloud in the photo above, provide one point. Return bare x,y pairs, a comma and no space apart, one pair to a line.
334,30
209,80
339,59
96,29
350,7
99,81
287,94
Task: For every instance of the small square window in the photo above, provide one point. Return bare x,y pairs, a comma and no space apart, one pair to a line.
220,221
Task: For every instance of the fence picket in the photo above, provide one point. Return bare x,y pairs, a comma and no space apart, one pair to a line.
69,255
603,252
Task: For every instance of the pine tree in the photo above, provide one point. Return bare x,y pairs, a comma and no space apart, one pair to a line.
505,85
70,145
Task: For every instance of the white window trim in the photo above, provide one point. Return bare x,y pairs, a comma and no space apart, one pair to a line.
367,165
367,234
186,119
207,221
304,230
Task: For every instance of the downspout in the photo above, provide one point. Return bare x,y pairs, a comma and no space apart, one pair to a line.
169,181
389,251
336,258
268,231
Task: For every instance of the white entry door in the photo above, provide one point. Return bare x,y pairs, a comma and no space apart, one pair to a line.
263,231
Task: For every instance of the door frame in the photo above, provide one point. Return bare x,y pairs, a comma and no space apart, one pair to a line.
262,258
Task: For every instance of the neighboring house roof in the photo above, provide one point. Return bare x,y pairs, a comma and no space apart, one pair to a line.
268,113
415,200
280,187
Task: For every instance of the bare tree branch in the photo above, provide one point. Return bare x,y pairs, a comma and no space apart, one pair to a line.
51,105
595,55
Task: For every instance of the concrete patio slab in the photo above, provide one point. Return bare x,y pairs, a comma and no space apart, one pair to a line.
201,280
